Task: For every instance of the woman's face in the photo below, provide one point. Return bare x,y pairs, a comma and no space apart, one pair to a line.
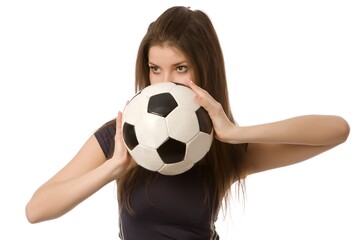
169,64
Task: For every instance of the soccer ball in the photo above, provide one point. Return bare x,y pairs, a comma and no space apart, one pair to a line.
165,130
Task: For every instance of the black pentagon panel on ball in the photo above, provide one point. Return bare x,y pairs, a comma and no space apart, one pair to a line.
130,136
161,104
205,123
172,151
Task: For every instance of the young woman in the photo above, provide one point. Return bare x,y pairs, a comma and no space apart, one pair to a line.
182,46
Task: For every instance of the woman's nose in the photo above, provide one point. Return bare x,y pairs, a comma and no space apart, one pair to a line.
166,77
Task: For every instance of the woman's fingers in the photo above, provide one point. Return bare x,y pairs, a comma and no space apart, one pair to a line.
204,99
200,96
120,151
118,133
221,122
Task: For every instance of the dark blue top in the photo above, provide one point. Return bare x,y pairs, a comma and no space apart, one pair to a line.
170,207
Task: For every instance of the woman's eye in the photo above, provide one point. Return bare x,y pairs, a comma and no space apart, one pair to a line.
182,68
154,69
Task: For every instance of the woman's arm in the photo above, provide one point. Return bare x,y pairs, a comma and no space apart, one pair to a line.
276,144
289,141
85,174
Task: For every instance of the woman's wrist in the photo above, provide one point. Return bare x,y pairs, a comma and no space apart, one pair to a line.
232,135
115,168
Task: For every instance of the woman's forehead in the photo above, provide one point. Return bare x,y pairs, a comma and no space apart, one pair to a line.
162,53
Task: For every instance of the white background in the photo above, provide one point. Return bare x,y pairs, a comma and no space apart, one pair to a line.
66,67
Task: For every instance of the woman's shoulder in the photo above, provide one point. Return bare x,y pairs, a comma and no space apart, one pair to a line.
108,129
105,136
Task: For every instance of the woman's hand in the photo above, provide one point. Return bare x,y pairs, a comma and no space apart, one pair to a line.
85,174
121,156
223,127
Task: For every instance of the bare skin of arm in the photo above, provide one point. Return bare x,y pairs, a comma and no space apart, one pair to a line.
276,144
85,174
271,145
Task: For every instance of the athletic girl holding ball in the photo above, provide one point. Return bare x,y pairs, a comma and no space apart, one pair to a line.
181,46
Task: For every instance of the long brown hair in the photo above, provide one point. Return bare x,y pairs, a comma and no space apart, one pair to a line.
193,33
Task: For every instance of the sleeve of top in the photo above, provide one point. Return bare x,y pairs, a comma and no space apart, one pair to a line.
246,146
105,136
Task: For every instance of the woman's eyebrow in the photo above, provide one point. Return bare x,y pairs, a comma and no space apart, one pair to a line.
175,64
